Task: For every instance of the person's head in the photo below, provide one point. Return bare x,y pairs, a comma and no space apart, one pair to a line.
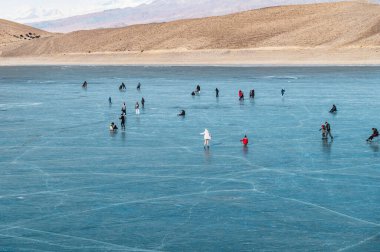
373,129
245,136
326,122
112,123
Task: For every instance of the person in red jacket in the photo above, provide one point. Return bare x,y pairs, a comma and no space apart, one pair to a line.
244,140
241,95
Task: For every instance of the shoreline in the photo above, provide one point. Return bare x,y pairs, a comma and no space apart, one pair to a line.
238,57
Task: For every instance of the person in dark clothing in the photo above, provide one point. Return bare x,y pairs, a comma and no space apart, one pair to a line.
110,101
182,113
122,87
84,85
282,92
198,89
328,130
375,133
217,92
252,93
193,93
142,102
122,119
333,109
139,86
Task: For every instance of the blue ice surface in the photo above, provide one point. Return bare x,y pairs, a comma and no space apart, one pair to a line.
68,184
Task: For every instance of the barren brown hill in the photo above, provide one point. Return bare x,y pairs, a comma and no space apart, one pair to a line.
332,25
14,34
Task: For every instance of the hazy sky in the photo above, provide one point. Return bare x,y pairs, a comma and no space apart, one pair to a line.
38,10
42,9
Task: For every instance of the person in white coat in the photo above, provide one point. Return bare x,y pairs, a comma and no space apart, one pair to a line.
137,108
207,137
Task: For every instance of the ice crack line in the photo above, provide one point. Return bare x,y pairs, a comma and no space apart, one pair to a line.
359,243
324,208
114,246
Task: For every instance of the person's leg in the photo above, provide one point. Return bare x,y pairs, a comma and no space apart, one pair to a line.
329,134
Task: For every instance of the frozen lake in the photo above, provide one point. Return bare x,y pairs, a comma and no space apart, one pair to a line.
67,184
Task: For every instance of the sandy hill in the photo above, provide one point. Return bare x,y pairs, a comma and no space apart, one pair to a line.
159,11
331,25
16,34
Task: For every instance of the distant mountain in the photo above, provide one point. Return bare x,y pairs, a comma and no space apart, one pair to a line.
159,11
38,14
324,26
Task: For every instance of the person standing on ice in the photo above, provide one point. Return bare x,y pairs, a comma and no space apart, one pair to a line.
217,92
198,89
282,92
207,137
323,129
137,108
241,95
244,141
252,94
328,130
142,102
124,109
122,119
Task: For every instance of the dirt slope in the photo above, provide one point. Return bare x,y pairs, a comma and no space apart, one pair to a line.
331,25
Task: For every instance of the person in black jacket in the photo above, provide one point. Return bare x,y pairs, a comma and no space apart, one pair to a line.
328,130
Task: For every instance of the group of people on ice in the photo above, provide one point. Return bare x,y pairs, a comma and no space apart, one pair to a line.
123,117
325,128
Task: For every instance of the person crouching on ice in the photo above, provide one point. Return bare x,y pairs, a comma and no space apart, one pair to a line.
113,127
375,133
